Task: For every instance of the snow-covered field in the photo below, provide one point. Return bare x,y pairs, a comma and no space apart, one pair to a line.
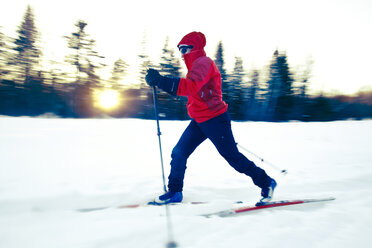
49,168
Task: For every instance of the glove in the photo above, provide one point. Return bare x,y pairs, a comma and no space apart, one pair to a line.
168,84
153,77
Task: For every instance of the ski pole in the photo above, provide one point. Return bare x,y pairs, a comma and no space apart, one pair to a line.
171,243
159,133
283,171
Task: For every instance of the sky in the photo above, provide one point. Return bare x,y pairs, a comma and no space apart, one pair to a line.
335,35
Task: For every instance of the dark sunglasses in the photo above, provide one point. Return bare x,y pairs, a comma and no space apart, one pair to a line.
185,49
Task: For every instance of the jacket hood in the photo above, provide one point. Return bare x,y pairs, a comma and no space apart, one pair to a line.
198,41
195,39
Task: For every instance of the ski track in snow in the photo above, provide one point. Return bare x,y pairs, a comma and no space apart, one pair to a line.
50,168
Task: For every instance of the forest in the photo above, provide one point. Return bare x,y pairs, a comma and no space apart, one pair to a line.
276,92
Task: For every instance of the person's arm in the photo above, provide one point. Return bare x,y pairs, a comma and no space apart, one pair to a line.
168,84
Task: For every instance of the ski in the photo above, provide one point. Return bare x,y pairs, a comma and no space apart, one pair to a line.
151,203
109,207
84,210
261,206
223,213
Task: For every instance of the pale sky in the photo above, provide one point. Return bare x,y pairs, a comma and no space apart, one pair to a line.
337,34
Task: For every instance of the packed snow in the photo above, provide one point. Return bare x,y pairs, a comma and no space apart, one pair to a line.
51,168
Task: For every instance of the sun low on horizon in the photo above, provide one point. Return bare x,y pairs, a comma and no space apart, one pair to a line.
107,99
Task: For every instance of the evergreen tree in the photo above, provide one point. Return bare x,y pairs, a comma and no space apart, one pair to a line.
84,57
7,89
236,91
220,61
285,101
145,100
225,84
303,75
118,72
252,105
300,91
4,55
172,108
273,87
25,65
87,62
169,64
94,64
280,91
28,54
145,63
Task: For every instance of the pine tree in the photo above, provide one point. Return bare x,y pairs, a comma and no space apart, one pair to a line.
25,64
280,91
300,91
4,55
7,89
28,54
84,57
226,85
252,106
87,62
118,72
145,63
305,77
145,99
220,61
169,64
94,64
236,90
173,108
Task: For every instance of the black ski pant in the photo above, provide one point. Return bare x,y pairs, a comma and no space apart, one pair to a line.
217,130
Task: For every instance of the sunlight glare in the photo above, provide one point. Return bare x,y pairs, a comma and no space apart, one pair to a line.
108,99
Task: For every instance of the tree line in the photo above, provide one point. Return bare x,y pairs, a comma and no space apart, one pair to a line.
273,93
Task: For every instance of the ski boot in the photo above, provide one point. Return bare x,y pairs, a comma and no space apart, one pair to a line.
267,193
167,198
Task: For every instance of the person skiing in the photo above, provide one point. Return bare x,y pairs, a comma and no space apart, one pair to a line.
209,119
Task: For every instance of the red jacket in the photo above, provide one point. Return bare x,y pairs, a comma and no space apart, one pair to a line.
202,84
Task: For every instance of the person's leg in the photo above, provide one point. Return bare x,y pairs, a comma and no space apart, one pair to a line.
191,138
218,130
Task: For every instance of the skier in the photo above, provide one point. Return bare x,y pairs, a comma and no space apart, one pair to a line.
210,119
